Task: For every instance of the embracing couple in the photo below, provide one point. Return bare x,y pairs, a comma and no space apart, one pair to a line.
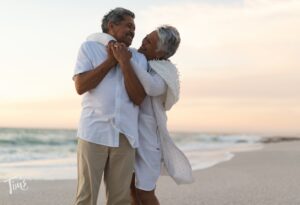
122,132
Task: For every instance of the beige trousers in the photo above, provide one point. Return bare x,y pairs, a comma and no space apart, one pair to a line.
117,164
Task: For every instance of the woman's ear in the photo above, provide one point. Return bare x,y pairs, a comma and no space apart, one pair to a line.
160,55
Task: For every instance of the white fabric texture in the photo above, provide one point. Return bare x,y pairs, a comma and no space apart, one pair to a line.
170,74
102,38
107,109
174,160
148,156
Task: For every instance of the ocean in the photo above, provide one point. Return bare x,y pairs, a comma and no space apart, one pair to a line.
50,154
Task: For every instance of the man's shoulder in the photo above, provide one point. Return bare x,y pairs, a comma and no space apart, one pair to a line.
91,45
135,52
137,56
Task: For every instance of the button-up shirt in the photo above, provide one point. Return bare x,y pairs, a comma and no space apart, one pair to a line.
107,110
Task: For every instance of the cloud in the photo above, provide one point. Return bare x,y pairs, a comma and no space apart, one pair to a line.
239,65
247,29
239,62
236,50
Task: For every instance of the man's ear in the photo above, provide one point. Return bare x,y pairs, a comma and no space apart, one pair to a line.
110,27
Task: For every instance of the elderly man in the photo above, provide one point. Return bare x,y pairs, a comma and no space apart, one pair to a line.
108,128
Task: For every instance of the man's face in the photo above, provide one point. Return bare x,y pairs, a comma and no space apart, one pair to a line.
149,46
123,31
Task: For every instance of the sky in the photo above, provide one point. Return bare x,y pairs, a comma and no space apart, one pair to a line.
238,61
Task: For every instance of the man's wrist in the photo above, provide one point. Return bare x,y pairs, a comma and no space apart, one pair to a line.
124,63
110,63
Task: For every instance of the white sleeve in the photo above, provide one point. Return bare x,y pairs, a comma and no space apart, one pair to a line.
153,84
83,62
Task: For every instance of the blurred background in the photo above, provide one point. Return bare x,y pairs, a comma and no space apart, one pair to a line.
238,59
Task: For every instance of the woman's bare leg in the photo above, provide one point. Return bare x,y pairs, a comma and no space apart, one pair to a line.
134,200
147,197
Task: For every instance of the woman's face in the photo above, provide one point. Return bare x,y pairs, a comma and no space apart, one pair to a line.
149,47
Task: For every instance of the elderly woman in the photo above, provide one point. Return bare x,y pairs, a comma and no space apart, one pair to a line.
156,152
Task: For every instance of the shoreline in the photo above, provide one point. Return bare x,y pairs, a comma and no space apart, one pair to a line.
278,139
260,177
65,168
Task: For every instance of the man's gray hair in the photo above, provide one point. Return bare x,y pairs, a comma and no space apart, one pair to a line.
169,40
115,16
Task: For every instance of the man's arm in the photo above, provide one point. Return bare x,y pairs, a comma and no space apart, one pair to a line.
133,86
90,79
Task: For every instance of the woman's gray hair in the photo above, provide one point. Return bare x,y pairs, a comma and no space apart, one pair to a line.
115,16
169,40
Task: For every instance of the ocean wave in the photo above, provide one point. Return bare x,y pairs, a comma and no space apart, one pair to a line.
33,151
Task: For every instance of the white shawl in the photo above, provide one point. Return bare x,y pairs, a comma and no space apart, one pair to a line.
174,160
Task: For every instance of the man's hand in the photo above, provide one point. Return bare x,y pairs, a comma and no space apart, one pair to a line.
133,86
121,53
110,56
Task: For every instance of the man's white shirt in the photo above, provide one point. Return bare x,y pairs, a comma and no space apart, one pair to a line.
107,110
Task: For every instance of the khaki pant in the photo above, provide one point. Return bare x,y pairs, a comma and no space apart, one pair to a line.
117,163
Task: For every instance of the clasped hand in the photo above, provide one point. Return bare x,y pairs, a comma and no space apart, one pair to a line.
118,52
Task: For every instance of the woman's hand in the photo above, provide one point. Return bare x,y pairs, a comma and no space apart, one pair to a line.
120,52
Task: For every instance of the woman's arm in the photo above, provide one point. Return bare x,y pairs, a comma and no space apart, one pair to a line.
153,84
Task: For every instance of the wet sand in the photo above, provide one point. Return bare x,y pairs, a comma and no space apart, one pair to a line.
270,176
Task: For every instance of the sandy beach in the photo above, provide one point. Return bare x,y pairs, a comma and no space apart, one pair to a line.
270,176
